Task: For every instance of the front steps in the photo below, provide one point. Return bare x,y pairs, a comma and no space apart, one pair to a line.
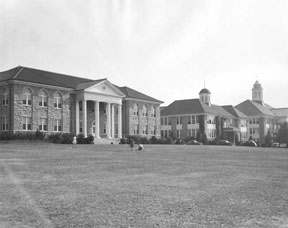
106,141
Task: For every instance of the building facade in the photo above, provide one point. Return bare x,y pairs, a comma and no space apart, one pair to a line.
251,119
189,118
263,119
34,99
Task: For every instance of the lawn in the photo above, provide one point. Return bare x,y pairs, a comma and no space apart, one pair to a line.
163,186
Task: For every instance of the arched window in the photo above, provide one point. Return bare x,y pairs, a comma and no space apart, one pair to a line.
27,97
144,111
57,100
43,99
135,110
5,97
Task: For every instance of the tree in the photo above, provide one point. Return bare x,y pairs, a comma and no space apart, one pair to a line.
282,136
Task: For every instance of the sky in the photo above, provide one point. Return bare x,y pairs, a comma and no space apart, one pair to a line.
166,49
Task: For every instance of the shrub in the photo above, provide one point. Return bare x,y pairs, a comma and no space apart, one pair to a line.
39,135
89,139
80,139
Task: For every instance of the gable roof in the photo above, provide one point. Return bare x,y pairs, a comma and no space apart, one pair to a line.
42,77
251,108
234,111
85,85
131,93
193,106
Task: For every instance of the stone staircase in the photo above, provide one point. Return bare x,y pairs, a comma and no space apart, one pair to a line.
106,141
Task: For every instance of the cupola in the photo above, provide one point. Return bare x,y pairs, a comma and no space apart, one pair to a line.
204,96
257,93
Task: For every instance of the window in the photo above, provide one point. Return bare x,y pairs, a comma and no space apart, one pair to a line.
5,97
57,125
179,120
81,106
105,128
27,97
4,124
197,119
43,99
135,110
26,123
43,124
136,129
193,119
145,130
81,128
144,112
58,103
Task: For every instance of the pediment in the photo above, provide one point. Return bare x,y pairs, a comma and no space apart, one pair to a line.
105,88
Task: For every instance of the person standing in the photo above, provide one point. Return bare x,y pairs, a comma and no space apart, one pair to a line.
131,144
74,141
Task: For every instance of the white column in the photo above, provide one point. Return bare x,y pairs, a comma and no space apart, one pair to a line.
85,118
97,126
108,110
77,117
119,121
112,121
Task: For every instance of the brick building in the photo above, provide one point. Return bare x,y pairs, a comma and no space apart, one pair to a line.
249,119
188,118
50,102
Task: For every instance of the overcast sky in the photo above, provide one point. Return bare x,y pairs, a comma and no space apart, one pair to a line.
163,48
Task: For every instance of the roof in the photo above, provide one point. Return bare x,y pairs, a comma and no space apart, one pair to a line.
204,91
193,106
280,112
252,108
234,111
21,73
131,93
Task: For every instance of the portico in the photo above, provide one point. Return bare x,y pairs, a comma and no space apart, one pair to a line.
99,110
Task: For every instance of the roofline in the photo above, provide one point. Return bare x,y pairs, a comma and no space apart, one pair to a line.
48,71
141,100
277,108
17,81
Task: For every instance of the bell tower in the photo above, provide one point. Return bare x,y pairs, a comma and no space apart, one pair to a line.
257,93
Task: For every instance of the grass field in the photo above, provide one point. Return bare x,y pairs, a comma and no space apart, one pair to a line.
162,186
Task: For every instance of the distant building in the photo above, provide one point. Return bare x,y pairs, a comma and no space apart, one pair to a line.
262,118
50,102
188,118
251,119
